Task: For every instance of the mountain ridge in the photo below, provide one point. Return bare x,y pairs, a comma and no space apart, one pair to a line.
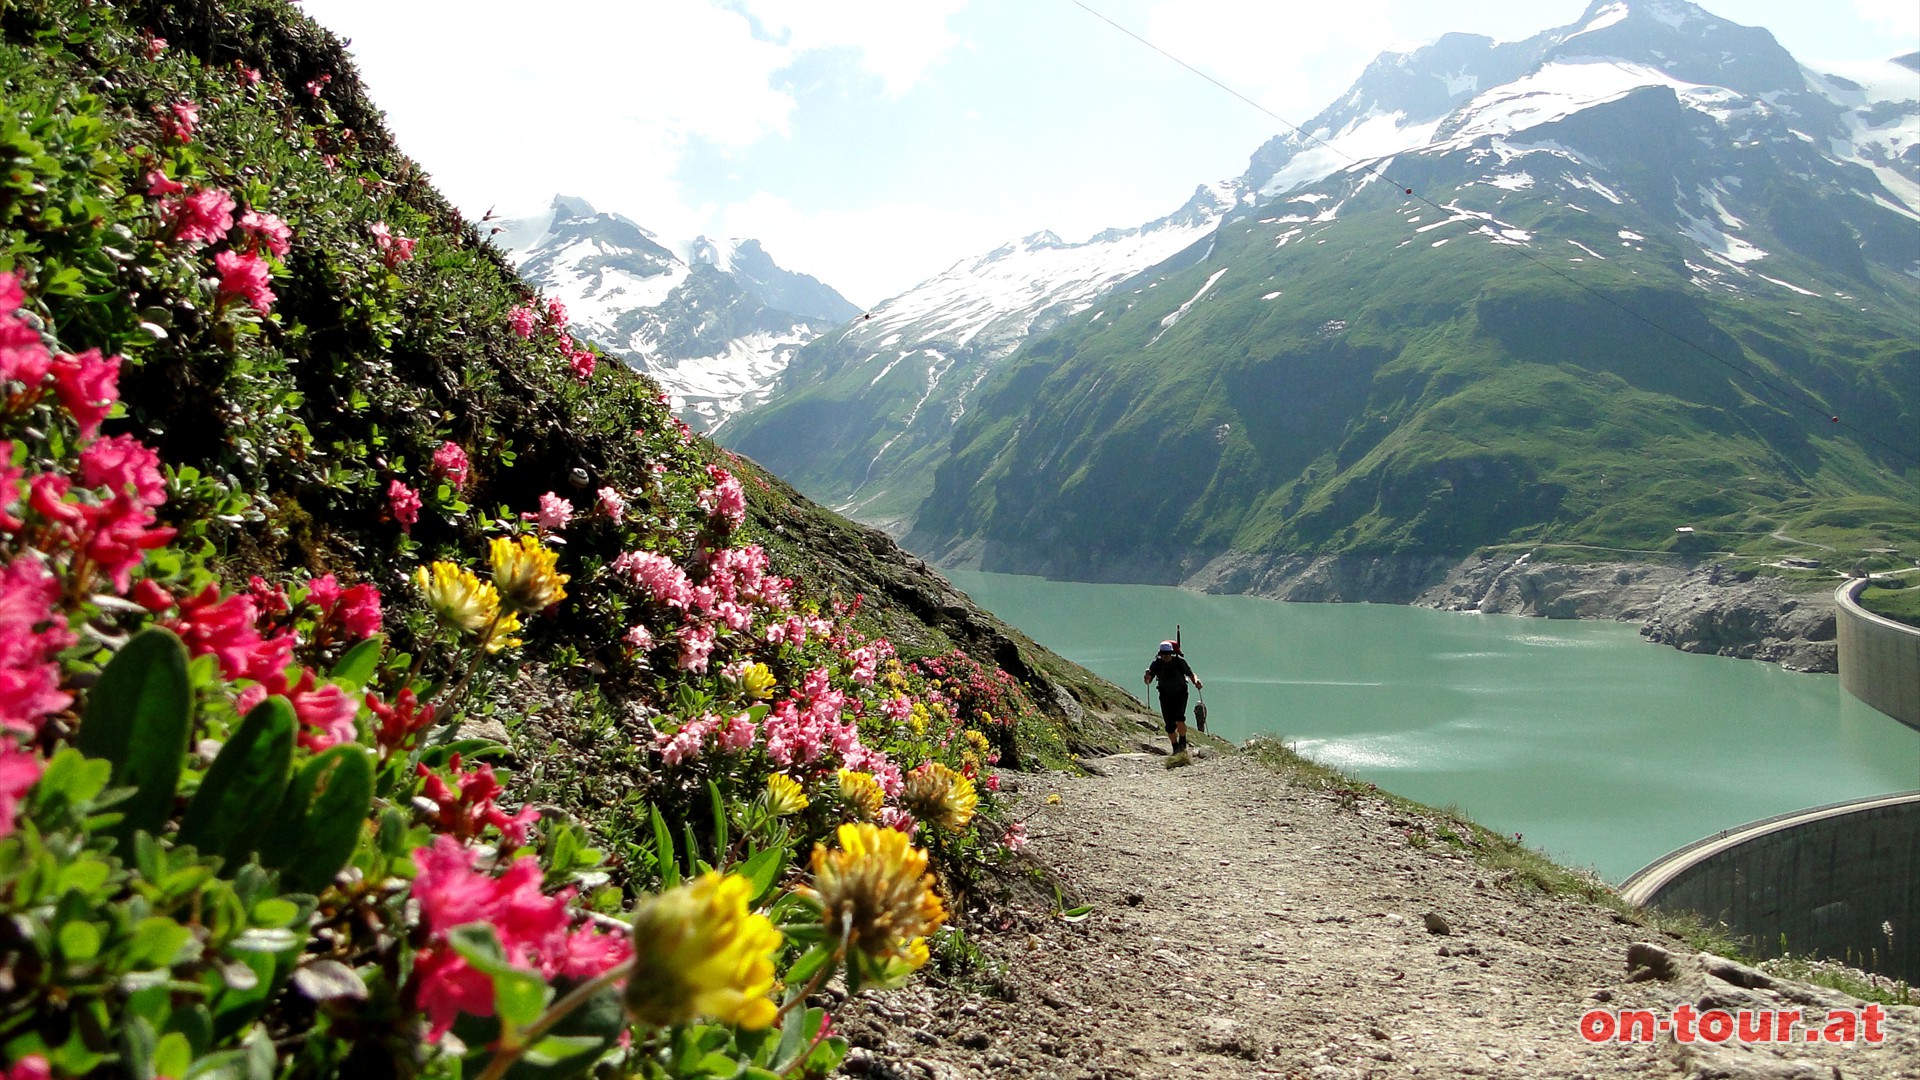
714,328
1357,367
886,439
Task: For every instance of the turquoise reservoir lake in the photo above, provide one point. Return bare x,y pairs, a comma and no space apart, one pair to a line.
1603,750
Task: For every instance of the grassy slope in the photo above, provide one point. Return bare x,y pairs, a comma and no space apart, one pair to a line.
283,432
1398,397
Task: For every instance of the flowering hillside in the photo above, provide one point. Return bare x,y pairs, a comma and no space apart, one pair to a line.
388,684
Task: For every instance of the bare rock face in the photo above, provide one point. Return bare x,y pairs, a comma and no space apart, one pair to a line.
1320,579
1704,609
1728,613
1524,586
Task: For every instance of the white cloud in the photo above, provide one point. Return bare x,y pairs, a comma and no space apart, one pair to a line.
868,254
1894,17
1276,54
599,98
898,41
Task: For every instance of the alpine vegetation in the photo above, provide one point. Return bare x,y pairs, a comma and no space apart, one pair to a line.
389,684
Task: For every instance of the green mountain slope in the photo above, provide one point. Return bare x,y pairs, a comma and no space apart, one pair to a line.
1480,364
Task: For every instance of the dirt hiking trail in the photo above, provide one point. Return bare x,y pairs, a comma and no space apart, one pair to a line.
1249,925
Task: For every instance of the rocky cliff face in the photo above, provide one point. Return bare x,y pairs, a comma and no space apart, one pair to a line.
1707,608
1711,608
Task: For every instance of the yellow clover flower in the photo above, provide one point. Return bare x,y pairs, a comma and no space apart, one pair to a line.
698,951
757,682
785,795
875,890
467,604
940,796
523,571
861,791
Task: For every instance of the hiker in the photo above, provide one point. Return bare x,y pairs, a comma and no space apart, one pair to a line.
1172,671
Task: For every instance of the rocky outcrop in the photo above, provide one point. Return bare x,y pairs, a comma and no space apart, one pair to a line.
1736,613
1708,608
1525,586
1320,579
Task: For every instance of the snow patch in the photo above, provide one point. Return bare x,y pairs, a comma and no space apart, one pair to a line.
1603,18
1787,285
1173,317
1728,249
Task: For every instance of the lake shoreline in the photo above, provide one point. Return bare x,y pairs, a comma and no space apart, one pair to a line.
1698,607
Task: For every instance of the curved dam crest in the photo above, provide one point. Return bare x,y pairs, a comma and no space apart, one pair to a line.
1840,881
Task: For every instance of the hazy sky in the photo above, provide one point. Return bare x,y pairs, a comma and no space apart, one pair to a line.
872,143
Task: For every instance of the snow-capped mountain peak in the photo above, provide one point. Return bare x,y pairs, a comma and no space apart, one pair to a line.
715,328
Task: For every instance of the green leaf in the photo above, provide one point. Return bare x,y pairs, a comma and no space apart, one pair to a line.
810,962
274,911
241,998
762,870
663,851
360,662
74,777
826,1056
320,818
138,718
519,995
719,806
157,942
228,814
79,941
196,1023
173,1055
555,1050
694,862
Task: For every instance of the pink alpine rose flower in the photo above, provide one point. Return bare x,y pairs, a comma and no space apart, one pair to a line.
612,504
179,126
202,217
19,771
268,231
583,362
555,513
124,466
244,277
394,248
88,384
523,321
404,504
33,630
158,185
325,712
450,461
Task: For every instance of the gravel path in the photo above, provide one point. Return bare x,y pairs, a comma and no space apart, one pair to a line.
1244,925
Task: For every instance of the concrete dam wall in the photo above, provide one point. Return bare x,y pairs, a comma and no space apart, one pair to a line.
1840,881
1879,658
